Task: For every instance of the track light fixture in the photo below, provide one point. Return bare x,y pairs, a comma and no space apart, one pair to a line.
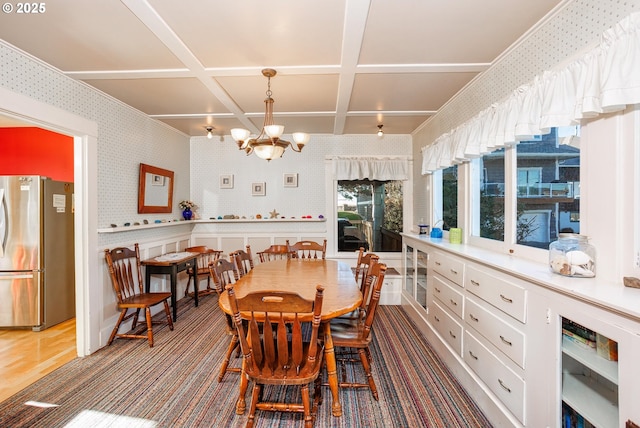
209,131
380,131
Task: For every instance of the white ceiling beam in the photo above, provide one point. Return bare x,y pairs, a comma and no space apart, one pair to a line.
355,22
152,20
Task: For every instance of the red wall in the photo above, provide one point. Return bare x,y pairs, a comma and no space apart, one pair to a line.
35,151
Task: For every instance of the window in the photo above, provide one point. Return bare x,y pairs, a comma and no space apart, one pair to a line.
450,197
369,215
548,196
527,193
490,222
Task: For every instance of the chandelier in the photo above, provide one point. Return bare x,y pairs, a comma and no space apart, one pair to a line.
268,145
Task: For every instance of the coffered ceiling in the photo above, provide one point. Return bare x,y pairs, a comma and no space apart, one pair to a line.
343,66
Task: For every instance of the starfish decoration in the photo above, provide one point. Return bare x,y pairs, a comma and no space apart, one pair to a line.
274,214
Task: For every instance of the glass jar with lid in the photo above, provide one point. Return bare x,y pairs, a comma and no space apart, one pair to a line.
572,255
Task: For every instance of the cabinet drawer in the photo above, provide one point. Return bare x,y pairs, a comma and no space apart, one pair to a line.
504,295
451,298
507,385
447,326
506,338
449,267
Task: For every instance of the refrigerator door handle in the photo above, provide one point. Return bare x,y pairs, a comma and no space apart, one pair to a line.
17,275
4,229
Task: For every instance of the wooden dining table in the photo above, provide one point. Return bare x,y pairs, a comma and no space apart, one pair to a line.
341,295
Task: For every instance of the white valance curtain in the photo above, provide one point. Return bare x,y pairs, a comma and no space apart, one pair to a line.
372,168
606,79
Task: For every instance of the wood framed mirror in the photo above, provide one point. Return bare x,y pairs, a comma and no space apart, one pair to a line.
155,190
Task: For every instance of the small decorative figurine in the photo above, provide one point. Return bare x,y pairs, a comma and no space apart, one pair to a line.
274,214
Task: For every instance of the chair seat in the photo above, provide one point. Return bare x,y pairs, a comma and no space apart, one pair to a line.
308,372
142,300
349,333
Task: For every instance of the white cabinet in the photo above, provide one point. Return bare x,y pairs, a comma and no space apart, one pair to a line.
506,337
415,274
449,327
501,380
497,323
499,290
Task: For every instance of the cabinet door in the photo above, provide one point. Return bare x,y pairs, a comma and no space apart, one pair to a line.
421,277
409,270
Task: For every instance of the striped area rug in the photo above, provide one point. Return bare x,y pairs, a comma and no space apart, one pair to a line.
174,384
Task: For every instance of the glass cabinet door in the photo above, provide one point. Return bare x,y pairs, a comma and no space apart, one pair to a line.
409,270
421,278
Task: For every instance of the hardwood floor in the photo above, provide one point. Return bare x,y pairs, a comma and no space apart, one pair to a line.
26,356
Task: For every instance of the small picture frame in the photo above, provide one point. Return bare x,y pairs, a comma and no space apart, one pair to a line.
290,180
157,180
258,189
226,181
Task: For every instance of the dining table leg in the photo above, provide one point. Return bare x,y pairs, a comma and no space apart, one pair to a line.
332,372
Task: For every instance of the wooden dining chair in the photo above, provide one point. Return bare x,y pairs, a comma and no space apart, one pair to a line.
243,260
366,279
225,273
205,257
351,334
308,250
363,267
126,277
275,252
274,350
360,252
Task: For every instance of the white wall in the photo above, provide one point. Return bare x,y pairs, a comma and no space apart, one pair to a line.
210,158
106,173
609,143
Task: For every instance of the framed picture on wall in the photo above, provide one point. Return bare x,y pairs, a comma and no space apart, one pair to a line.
226,181
291,180
157,180
258,189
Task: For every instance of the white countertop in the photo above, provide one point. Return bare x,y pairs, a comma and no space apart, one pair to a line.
610,295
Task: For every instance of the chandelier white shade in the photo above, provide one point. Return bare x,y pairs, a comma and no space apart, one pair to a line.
268,145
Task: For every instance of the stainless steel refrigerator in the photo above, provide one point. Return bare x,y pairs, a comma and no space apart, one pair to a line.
37,283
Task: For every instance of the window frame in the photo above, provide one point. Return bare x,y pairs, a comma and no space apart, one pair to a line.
331,204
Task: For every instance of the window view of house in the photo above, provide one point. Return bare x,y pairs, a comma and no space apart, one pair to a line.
369,215
547,192
492,196
450,197
548,189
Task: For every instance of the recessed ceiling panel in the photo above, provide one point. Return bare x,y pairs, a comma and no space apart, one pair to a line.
391,124
77,35
459,31
394,92
196,126
309,124
163,96
249,33
300,93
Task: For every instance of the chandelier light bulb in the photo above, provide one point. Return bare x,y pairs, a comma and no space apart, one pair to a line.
268,144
